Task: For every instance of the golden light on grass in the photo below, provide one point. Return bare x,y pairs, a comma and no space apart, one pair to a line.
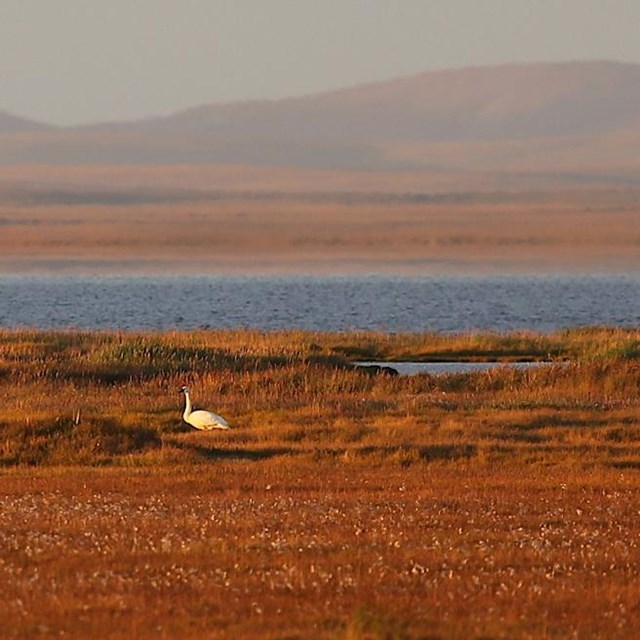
343,505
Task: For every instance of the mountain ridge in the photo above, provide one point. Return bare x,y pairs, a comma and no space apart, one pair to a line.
11,123
574,118
434,106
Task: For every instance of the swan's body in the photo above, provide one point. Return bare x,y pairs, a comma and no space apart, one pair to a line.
204,420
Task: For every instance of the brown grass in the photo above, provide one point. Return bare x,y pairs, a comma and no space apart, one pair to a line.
493,505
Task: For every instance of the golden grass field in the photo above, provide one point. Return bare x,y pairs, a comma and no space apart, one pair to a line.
199,220
341,505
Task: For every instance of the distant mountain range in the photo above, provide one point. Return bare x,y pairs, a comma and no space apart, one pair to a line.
12,124
580,120
491,103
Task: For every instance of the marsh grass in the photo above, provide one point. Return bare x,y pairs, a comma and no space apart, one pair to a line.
298,388
65,442
340,505
260,548
368,623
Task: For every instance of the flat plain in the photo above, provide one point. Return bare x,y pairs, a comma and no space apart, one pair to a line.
199,220
341,505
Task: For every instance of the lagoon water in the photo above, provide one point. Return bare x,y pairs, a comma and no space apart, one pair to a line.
439,368
326,303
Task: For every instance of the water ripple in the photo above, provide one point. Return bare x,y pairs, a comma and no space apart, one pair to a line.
336,303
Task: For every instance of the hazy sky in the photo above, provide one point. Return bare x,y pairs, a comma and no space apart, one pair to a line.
74,61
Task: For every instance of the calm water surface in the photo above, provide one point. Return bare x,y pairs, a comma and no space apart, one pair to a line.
439,368
336,303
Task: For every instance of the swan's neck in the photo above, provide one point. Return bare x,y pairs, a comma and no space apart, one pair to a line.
187,406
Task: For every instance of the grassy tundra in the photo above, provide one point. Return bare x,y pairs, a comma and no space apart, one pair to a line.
342,505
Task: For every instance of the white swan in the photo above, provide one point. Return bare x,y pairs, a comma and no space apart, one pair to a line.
204,420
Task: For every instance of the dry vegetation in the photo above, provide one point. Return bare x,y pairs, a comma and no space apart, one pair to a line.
168,228
342,505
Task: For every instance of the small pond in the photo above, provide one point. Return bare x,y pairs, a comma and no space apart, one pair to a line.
436,368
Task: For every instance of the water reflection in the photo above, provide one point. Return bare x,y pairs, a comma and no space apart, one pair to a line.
439,368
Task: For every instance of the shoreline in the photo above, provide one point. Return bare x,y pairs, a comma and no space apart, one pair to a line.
55,266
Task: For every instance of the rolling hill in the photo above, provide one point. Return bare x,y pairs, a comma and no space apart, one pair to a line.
10,123
490,103
570,123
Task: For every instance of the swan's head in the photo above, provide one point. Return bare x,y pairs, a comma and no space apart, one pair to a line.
184,390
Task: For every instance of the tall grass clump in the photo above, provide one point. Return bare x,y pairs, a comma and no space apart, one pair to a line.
368,623
602,343
67,442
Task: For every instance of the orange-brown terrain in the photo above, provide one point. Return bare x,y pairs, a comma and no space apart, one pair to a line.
269,547
195,220
340,505
521,167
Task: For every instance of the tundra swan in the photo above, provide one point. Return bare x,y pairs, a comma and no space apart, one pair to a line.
204,420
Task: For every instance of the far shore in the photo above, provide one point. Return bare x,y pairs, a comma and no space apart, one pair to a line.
566,232
60,267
